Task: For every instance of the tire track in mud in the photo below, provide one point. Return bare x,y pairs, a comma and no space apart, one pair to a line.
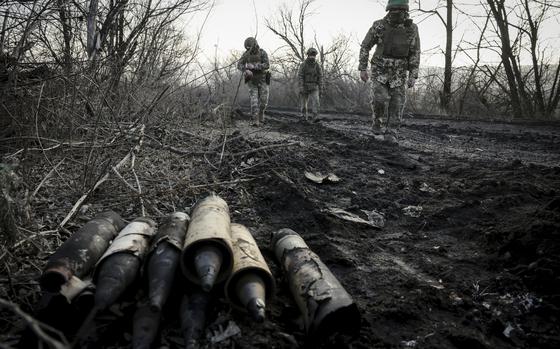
440,280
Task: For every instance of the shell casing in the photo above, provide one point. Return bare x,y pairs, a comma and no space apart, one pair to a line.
324,303
78,255
207,248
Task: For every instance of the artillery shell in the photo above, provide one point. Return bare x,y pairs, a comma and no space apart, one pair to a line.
251,282
194,309
326,306
79,254
207,254
164,258
145,327
119,266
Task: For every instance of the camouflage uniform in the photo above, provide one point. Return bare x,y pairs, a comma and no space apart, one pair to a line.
389,73
258,86
310,81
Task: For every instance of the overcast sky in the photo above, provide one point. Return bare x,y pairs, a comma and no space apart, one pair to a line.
231,21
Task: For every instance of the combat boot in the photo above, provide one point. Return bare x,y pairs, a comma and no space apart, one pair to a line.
261,116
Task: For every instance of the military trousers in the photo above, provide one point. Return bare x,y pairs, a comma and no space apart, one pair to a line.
387,104
309,101
258,94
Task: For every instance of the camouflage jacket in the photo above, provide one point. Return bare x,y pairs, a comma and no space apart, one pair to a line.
310,75
388,70
259,60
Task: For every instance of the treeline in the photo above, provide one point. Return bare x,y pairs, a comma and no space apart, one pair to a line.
77,67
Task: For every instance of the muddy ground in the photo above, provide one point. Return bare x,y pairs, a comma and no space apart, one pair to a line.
469,256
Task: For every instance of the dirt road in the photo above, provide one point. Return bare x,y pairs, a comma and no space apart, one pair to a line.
469,254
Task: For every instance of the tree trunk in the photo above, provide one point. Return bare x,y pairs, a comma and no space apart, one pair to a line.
446,93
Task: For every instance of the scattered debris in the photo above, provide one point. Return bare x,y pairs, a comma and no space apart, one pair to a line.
507,331
375,219
424,187
320,178
231,330
409,344
413,211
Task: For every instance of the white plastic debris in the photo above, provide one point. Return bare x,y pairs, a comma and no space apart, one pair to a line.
375,219
424,187
507,330
413,211
320,178
409,344
381,171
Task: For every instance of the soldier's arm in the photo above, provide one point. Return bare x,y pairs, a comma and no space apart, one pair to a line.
241,62
264,60
414,55
367,44
300,76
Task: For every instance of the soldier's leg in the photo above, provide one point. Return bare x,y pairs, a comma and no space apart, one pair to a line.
314,96
263,100
379,104
303,99
396,107
254,98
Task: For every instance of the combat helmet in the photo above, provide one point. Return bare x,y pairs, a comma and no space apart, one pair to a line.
312,52
397,5
250,42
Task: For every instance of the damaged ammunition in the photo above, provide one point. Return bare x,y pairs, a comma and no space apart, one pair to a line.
194,309
326,306
119,266
207,255
164,258
145,327
251,282
77,255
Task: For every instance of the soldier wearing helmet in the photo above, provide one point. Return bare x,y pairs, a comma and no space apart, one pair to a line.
254,65
394,65
310,78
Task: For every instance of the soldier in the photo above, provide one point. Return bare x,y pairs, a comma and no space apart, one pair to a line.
254,65
394,64
310,83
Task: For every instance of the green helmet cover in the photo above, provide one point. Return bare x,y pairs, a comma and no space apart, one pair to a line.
397,5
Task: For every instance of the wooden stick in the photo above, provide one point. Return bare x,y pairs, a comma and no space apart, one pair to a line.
46,178
102,180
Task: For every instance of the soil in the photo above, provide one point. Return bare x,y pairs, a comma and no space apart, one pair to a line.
469,256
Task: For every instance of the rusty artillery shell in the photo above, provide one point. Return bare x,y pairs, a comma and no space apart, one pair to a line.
207,256
145,327
251,282
326,306
78,255
164,258
194,309
119,266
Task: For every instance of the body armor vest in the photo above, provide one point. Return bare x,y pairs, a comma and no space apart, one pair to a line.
396,43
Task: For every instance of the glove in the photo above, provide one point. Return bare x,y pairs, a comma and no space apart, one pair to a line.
411,82
249,66
248,75
364,75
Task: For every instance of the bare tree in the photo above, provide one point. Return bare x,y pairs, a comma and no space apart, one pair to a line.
448,6
290,28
